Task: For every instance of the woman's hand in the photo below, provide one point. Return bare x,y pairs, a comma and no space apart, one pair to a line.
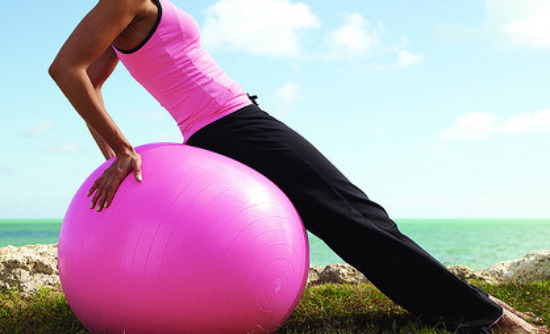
106,186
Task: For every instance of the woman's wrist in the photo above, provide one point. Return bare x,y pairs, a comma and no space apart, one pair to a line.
124,150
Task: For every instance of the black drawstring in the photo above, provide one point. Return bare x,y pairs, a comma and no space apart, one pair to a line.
253,98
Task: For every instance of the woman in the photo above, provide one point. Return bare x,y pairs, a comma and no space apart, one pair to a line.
160,46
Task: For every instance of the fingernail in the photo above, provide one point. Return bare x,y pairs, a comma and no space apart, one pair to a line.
91,205
98,208
139,178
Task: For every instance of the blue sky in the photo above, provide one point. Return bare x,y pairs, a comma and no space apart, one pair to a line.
434,109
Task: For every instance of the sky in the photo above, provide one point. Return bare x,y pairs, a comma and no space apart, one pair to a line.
435,109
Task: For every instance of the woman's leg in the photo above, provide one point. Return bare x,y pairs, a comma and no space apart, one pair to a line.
355,227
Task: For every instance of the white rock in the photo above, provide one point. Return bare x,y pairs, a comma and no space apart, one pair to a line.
532,267
28,268
335,273
466,273
313,274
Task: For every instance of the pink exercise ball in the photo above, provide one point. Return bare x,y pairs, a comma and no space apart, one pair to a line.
204,244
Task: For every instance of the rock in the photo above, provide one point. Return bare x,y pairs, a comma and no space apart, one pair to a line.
466,273
313,274
335,273
532,267
28,268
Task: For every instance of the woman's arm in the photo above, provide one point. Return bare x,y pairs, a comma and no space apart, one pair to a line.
98,72
105,149
88,42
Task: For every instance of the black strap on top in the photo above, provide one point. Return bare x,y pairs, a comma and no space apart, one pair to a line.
253,98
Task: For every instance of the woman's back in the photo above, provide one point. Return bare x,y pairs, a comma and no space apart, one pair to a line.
173,66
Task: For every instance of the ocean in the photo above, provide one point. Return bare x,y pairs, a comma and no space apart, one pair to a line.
477,243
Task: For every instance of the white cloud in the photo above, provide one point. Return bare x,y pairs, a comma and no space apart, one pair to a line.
516,23
471,126
523,23
475,126
286,97
538,121
259,27
66,148
406,59
275,28
289,92
39,129
353,38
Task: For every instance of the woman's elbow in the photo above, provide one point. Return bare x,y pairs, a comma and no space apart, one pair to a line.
60,68
55,71
61,72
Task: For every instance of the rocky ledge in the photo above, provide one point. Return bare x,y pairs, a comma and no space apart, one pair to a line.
532,267
29,268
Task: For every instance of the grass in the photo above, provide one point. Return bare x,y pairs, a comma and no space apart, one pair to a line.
324,309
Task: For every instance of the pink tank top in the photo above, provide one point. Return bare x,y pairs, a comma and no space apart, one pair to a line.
173,66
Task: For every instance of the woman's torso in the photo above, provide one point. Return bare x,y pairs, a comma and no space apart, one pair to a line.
165,55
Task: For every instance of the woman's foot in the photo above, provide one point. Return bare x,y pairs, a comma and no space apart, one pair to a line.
513,324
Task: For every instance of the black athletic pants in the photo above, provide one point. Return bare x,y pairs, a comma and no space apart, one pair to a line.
355,227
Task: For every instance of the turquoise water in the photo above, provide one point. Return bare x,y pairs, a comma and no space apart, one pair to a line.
25,232
477,243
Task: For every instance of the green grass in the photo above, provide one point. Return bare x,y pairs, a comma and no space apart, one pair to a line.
323,309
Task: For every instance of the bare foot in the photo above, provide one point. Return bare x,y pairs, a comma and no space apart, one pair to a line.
513,324
527,316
